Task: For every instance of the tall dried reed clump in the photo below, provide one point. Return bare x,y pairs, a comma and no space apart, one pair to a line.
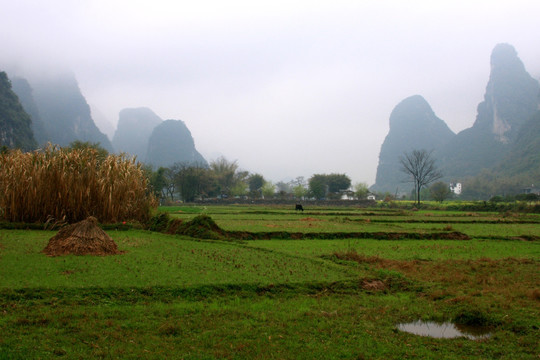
70,185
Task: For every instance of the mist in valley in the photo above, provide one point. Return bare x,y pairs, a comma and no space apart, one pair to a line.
285,88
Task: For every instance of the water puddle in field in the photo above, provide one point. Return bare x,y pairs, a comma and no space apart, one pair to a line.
446,330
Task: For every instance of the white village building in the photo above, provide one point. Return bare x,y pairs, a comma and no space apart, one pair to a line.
455,188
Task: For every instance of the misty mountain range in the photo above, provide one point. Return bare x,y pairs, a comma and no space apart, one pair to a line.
143,134
53,110
15,123
504,141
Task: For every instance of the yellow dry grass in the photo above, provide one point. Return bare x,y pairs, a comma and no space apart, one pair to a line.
71,185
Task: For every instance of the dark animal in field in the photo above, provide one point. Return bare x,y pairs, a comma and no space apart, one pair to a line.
299,207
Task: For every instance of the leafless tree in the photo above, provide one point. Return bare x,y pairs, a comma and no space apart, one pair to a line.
420,165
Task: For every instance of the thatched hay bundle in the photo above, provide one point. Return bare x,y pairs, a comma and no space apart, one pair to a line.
82,238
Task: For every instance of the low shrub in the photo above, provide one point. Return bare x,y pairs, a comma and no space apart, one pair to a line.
159,222
200,227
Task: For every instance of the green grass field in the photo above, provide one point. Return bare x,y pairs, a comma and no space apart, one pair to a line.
170,296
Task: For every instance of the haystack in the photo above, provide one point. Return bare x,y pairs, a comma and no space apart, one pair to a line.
82,238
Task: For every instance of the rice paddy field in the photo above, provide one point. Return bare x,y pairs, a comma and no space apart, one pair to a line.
326,283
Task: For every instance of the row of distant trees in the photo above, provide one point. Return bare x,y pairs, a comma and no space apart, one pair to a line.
224,179
420,167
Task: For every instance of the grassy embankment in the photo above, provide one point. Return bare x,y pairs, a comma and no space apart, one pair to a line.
174,296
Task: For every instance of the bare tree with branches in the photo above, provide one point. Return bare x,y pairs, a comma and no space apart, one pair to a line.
420,165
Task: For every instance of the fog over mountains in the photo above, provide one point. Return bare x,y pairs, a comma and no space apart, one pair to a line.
53,110
15,123
135,125
413,125
153,141
506,123
65,112
59,111
285,88
503,141
170,143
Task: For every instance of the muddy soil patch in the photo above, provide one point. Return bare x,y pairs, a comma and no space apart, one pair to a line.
310,219
527,238
451,221
285,235
461,281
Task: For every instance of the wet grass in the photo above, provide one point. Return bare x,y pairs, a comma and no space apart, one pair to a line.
407,249
322,220
507,281
153,259
171,296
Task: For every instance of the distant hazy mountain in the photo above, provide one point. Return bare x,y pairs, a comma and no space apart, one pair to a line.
102,122
511,96
24,92
505,135
135,125
511,99
64,111
15,123
171,142
523,159
413,125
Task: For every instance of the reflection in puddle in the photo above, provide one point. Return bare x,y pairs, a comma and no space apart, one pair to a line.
445,330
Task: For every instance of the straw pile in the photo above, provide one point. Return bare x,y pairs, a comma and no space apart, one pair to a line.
82,238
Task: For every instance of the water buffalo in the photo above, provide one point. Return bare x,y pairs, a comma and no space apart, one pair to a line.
299,207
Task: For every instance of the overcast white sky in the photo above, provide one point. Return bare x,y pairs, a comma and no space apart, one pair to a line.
286,88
